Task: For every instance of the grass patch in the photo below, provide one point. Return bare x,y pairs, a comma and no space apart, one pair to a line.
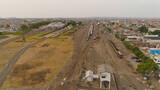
4,33
19,32
45,33
70,31
39,65
59,38
3,36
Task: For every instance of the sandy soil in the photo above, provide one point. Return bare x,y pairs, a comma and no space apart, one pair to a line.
40,64
10,49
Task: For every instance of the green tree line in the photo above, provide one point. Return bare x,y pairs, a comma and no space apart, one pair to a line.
156,32
25,28
148,65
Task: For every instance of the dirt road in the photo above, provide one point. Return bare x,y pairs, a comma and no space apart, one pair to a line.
11,63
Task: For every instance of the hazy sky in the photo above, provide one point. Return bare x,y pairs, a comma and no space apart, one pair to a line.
79,8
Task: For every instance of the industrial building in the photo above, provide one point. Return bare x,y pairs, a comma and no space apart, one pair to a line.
103,74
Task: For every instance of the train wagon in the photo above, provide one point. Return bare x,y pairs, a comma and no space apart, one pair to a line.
119,54
116,50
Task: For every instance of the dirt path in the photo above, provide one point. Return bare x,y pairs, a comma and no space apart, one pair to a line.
11,63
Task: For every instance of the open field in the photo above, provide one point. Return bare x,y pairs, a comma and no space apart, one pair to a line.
10,49
40,64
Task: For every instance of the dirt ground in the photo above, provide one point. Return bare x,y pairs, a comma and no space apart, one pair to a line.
40,64
87,55
10,49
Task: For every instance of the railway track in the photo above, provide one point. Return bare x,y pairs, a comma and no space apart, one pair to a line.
66,65
8,41
115,65
71,72
79,52
132,84
12,62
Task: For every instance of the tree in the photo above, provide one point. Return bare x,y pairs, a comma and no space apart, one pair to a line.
122,39
8,26
156,32
138,53
143,29
109,29
79,23
149,82
23,27
24,39
142,68
71,23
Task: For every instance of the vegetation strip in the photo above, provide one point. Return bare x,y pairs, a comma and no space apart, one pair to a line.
148,65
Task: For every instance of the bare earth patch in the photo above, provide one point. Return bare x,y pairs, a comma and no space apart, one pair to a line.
10,49
40,64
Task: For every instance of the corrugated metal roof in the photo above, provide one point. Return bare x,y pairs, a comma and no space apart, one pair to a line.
104,68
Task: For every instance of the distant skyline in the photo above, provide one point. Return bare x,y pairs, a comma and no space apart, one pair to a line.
79,8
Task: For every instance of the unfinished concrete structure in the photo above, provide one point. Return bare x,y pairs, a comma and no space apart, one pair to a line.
103,73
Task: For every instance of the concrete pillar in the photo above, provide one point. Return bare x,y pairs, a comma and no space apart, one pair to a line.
100,84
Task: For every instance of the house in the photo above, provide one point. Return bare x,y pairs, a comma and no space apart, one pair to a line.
145,50
143,44
133,38
53,25
151,37
90,76
155,42
153,29
154,50
156,59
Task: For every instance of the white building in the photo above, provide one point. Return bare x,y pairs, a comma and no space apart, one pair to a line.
104,74
153,29
104,71
133,38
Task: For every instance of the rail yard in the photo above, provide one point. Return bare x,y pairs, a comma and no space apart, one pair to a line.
79,45
88,54
99,61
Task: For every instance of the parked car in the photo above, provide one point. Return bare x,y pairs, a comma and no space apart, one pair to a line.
136,59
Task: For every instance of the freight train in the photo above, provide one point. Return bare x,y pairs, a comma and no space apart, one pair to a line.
116,49
90,32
